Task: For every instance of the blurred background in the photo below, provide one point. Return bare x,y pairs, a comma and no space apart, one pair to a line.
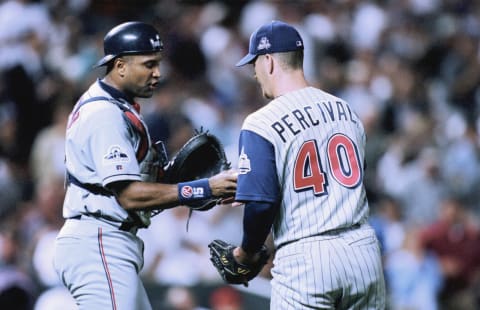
409,68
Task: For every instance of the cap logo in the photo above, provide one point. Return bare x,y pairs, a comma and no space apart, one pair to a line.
299,43
156,44
264,44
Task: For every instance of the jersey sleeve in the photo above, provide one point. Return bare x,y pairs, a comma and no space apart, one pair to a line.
258,219
112,148
257,179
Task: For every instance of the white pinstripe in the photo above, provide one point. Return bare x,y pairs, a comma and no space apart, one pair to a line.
314,267
329,272
301,214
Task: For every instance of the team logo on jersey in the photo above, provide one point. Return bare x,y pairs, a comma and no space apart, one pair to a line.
264,44
115,155
244,163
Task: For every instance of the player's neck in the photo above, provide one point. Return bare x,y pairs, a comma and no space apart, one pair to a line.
286,83
110,80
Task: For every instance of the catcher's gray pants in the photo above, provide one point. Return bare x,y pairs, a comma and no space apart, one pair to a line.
99,264
340,271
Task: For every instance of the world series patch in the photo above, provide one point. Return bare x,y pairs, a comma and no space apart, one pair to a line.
115,155
244,163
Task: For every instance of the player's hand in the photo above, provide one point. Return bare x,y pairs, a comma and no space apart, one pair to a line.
243,257
224,255
224,184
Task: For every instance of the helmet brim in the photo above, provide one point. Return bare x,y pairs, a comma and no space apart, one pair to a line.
102,62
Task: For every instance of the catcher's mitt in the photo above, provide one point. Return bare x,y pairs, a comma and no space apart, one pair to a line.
200,157
233,272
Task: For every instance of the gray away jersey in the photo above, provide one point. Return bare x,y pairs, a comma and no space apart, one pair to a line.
101,148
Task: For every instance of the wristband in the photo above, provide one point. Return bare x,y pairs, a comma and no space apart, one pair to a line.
194,190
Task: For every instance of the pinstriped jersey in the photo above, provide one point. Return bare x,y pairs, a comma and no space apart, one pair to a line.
101,148
304,151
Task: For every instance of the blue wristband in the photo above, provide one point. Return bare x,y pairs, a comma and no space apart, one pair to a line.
194,190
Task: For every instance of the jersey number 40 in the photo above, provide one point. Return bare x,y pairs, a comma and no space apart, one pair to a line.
343,162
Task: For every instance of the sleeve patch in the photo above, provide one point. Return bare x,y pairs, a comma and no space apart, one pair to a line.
115,155
244,162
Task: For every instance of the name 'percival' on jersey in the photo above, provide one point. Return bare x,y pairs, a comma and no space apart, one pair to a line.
318,149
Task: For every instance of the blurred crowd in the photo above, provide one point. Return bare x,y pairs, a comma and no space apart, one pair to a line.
409,68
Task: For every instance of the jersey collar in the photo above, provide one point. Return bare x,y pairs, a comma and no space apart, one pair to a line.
115,93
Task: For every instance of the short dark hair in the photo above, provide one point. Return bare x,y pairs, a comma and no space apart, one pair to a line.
109,67
291,60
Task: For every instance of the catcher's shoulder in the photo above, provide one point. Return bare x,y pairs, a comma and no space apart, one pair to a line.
93,103
101,112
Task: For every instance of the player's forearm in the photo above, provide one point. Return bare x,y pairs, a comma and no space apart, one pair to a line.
146,195
257,222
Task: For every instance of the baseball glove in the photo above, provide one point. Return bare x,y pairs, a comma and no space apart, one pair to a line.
202,156
233,272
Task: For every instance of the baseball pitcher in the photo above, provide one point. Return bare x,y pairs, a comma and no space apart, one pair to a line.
301,163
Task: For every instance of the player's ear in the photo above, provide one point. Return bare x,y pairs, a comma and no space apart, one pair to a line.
270,63
120,65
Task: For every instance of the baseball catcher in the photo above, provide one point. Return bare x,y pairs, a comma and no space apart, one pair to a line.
112,176
202,156
233,272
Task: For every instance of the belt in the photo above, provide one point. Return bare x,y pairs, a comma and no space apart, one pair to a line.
339,230
124,226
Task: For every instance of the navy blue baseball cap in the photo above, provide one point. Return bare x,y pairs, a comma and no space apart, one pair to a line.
274,37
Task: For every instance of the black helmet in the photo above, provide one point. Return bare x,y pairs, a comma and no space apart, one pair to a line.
130,38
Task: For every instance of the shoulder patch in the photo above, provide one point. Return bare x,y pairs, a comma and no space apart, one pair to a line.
115,155
244,163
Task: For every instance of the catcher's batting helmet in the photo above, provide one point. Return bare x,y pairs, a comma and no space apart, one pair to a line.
130,38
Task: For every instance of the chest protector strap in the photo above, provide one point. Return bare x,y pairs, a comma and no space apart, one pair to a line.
131,118
135,123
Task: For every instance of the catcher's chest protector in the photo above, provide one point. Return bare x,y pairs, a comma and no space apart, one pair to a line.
131,117
139,127
145,155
